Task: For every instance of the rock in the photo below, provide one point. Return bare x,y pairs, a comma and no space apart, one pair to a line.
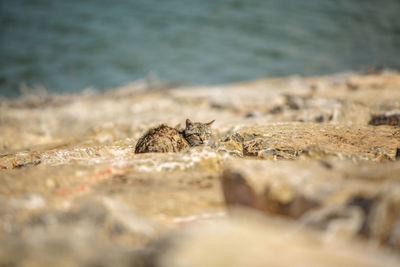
392,118
301,148
289,141
336,198
248,239
102,232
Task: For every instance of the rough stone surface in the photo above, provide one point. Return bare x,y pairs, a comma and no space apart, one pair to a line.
293,140
304,150
335,197
248,240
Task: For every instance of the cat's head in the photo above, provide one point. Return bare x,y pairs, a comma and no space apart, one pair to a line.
197,133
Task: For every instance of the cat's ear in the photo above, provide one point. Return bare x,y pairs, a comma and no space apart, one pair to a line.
188,122
209,123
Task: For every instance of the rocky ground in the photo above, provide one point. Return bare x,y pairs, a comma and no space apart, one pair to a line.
300,171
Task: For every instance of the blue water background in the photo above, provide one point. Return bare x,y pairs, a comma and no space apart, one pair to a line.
71,45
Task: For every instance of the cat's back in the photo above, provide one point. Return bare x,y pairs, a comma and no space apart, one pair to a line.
161,139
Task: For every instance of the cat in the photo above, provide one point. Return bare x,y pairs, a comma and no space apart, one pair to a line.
167,139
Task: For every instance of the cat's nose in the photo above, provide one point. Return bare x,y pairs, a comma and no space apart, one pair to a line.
201,140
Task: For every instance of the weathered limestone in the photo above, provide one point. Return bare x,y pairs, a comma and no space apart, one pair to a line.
249,240
340,198
313,140
319,154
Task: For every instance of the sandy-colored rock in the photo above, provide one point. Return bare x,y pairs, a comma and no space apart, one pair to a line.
340,198
94,232
249,240
299,148
292,140
391,118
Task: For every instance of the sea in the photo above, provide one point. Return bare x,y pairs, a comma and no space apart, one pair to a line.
72,45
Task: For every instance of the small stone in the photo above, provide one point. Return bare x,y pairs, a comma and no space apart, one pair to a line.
392,119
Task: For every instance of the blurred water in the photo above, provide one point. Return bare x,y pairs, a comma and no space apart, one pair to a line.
70,45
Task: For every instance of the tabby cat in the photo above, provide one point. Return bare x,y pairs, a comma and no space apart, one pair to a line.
167,139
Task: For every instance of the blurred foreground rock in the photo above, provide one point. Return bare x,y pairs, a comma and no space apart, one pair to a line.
343,199
318,157
247,239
